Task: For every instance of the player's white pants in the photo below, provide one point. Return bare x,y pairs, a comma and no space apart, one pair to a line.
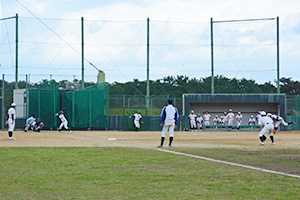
137,123
193,123
199,125
238,123
65,124
206,122
27,127
230,122
281,122
268,128
170,126
11,126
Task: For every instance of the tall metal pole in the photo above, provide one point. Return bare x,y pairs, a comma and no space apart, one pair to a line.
212,56
3,98
17,41
148,86
82,53
278,85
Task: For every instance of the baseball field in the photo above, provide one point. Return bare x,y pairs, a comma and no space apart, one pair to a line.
127,165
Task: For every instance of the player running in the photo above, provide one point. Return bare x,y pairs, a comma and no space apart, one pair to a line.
137,117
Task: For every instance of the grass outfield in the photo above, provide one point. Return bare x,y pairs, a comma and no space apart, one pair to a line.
135,173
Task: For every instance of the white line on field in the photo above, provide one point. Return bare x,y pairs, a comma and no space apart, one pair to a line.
230,163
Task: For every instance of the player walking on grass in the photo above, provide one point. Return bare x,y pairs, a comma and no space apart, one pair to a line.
64,122
169,118
10,121
266,126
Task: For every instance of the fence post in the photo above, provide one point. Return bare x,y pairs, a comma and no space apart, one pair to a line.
3,88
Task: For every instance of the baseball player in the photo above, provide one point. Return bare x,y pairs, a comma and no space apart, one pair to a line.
169,118
37,125
225,118
279,120
216,121
266,126
222,121
206,118
258,116
192,118
29,122
11,116
199,121
239,119
251,121
230,118
137,117
64,122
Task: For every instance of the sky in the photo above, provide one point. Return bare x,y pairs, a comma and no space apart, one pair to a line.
115,39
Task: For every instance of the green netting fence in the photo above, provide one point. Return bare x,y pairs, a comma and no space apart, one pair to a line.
44,102
87,107
296,113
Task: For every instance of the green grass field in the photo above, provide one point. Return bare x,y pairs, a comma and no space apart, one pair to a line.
134,173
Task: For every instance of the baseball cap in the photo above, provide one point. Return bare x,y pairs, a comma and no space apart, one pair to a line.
263,113
170,101
13,104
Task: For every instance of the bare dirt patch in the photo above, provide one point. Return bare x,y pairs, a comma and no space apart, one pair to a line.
288,139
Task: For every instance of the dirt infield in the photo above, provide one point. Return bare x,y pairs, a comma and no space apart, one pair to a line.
289,139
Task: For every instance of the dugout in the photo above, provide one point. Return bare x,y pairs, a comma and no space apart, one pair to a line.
247,104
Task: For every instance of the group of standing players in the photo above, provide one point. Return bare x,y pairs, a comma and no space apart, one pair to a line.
32,123
197,121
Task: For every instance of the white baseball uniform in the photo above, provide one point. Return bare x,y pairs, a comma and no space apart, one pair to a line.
216,121
230,118
192,118
64,122
199,121
251,121
29,122
239,119
268,124
11,119
206,118
137,118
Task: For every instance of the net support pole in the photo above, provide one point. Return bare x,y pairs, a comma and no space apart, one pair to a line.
212,56
82,53
148,86
17,50
278,85
3,98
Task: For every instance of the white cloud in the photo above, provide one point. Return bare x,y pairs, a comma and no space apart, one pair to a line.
115,33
